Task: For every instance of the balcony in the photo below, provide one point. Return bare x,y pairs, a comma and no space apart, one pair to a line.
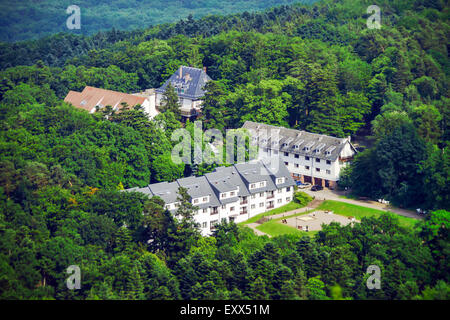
271,196
214,211
270,207
243,211
244,202
189,112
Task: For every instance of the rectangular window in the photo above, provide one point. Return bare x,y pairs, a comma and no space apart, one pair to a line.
328,162
307,158
231,194
279,200
286,164
317,160
328,171
261,184
261,204
232,209
280,190
252,186
297,156
253,206
224,206
317,169
204,225
307,167
253,196
296,165
195,201
261,194
286,154
288,199
223,195
205,210
288,189
205,199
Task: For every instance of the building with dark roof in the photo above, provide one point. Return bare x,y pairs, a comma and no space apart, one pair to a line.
309,157
234,193
189,84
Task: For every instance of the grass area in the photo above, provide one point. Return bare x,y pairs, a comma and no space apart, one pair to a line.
352,210
287,207
274,228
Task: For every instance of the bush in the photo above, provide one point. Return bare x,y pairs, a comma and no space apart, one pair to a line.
302,198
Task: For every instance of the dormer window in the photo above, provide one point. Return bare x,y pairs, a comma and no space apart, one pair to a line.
280,180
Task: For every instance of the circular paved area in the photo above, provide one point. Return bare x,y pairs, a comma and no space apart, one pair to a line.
314,220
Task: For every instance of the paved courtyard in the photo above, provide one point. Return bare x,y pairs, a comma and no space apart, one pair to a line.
314,220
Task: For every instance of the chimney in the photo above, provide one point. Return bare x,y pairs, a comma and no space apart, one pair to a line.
181,72
204,69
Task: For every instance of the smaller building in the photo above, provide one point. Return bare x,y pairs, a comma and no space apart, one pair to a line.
188,83
311,158
234,193
91,98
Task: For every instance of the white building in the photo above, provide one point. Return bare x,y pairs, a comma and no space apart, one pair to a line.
310,157
234,193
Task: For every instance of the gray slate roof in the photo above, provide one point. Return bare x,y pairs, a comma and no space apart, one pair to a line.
189,85
227,178
303,139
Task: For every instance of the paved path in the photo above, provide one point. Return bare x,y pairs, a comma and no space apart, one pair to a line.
335,195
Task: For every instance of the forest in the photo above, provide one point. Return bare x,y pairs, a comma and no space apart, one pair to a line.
28,19
312,67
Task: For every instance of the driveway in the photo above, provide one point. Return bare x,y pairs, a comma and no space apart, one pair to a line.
327,194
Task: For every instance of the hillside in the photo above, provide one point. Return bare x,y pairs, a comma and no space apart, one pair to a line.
311,67
30,19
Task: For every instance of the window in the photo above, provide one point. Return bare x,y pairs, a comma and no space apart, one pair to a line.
286,154
252,186
297,156
223,195
205,210
296,165
288,189
328,171
317,160
261,204
253,206
224,206
232,194
288,199
280,190
261,184
275,152
307,167
253,196
280,180
317,169
231,208
176,205
261,194
168,206
195,201
204,225
279,200
205,199
307,158
328,162
286,164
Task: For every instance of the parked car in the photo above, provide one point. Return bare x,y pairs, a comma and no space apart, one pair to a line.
302,185
316,188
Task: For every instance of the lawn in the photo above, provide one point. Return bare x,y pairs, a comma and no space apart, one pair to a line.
287,207
347,210
274,228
